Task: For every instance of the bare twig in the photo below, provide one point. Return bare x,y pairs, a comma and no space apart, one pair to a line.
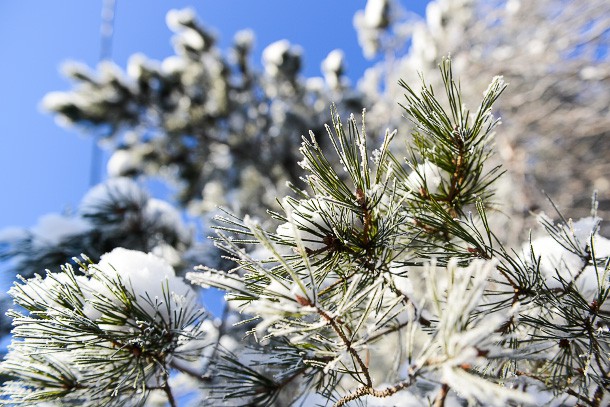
441,396
348,344
370,391
170,397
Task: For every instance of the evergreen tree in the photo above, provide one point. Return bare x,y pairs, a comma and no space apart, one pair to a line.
375,280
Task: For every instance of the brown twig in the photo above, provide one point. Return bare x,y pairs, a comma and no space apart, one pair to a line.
170,397
348,344
439,401
370,391
407,300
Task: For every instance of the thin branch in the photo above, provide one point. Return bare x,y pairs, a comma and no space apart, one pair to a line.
441,396
580,397
170,396
370,391
348,344
336,283
406,300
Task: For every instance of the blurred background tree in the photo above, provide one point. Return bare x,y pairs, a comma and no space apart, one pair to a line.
555,56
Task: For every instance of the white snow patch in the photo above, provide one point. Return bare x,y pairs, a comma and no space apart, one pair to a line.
428,176
151,279
375,13
122,162
13,234
177,19
53,228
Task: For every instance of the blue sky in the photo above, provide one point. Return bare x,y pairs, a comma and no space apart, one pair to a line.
45,168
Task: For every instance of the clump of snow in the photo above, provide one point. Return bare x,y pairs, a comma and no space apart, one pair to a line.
369,23
153,282
75,69
52,101
368,38
334,61
109,71
513,6
122,162
376,13
429,177
244,39
273,55
315,84
191,39
60,101
13,234
53,228
309,223
554,260
332,67
138,64
161,215
559,260
115,190
591,73
434,17
167,253
584,228
173,65
282,58
177,19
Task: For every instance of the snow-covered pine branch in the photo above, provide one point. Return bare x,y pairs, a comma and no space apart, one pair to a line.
109,334
376,268
387,281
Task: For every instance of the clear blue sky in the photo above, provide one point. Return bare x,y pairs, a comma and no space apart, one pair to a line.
45,168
